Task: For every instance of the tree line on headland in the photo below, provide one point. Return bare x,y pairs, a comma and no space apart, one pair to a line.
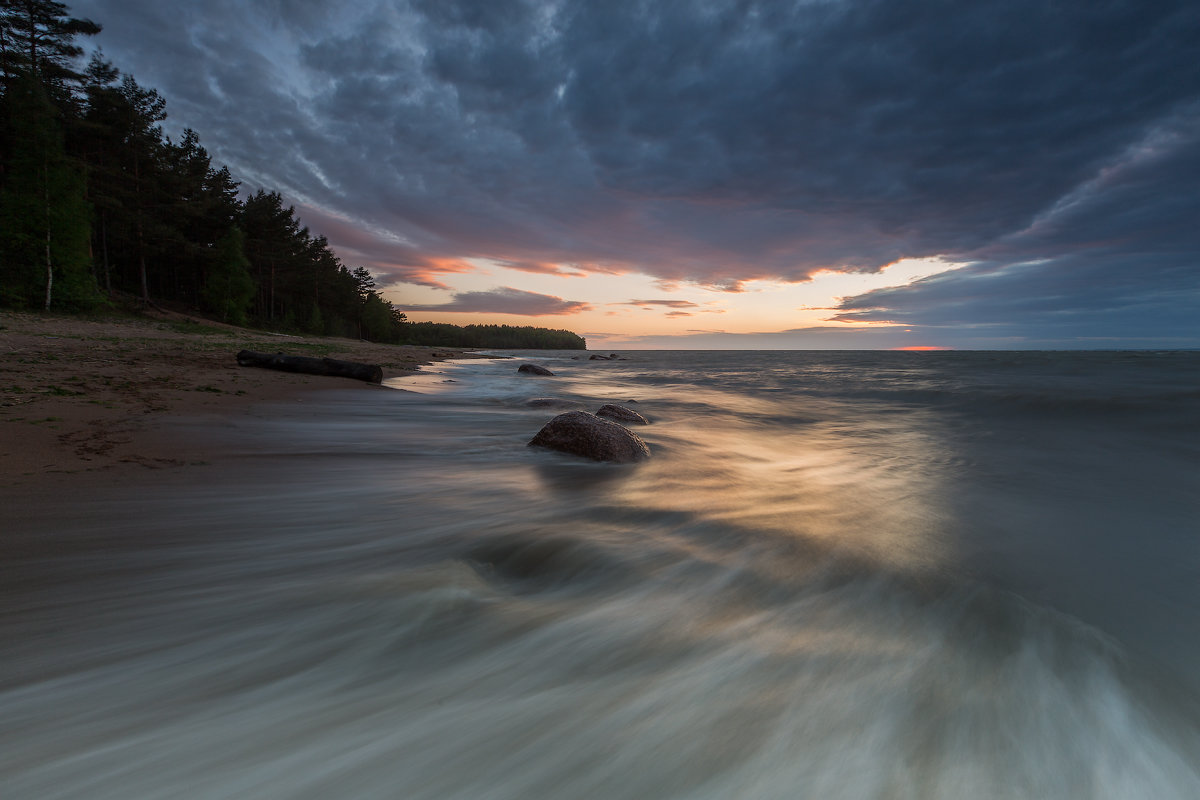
96,201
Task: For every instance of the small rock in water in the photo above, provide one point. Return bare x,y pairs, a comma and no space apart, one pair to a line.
533,369
597,358
549,402
582,434
621,414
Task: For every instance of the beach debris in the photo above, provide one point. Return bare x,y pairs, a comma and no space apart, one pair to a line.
582,434
534,369
371,373
621,414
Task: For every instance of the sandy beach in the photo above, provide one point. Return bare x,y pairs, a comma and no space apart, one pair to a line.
90,398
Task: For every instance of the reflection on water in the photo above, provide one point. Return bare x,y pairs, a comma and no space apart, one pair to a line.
835,579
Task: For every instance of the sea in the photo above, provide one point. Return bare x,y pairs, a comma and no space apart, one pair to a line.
893,575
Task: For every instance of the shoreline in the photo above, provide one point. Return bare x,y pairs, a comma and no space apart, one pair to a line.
81,399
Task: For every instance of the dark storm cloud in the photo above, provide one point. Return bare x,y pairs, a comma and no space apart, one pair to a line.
506,301
1118,258
718,142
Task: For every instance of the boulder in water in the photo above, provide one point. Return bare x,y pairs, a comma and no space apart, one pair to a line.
621,414
533,369
582,434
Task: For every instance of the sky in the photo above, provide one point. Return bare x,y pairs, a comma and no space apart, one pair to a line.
812,174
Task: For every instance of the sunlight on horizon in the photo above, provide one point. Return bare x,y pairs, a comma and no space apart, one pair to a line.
625,306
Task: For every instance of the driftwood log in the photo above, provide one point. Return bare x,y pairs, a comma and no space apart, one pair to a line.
371,373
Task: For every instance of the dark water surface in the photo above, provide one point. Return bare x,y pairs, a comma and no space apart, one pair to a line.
842,575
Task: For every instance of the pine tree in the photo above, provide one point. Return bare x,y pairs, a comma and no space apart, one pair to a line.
143,110
377,319
44,228
229,288
98,144
37,37
277,246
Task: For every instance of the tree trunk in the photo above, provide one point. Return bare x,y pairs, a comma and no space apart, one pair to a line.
104,249
371,373
141,244
49,272
33,66
49,263
142,263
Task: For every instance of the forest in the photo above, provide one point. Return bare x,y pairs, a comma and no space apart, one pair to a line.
502,336
98,203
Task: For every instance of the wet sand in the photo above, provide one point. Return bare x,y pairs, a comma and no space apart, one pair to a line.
103,400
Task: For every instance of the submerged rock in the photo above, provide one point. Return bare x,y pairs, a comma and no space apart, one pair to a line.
621,414
533,369
582,434
597,358
537,560
549,402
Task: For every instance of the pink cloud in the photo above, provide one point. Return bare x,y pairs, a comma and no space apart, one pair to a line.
506,300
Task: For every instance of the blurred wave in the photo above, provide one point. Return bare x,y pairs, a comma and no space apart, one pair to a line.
842,575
